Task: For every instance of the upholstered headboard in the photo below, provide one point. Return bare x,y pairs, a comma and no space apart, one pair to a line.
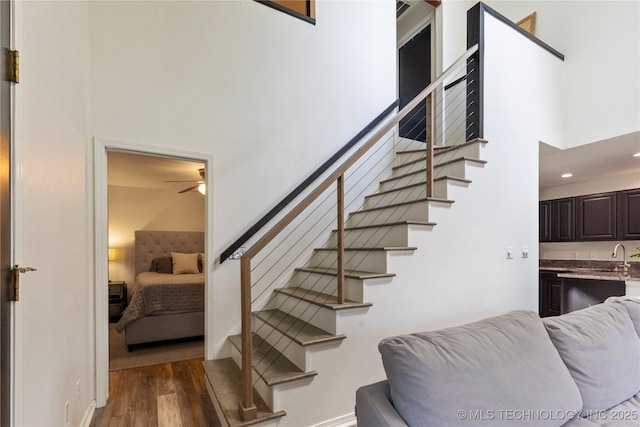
154,244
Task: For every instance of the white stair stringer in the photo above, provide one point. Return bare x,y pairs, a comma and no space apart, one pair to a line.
305,324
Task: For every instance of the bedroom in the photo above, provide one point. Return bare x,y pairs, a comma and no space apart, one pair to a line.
142,201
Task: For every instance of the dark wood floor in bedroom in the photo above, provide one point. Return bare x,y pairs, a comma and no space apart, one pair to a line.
167,395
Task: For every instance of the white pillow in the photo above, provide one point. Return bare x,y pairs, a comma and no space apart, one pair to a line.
184,263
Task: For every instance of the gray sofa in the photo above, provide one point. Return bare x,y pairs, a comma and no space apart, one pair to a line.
578,369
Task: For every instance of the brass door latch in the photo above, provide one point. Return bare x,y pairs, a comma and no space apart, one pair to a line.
15,281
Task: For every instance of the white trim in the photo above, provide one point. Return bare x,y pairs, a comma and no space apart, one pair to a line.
88,415
348,420
424,22
100,235
17,230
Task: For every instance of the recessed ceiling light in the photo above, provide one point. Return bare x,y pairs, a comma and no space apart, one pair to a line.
636,155
566,175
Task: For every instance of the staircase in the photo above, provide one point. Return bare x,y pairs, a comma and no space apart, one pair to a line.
303,322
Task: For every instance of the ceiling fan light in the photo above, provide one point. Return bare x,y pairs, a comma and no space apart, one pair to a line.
202,188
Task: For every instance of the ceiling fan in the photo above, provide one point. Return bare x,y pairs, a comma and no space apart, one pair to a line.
197,185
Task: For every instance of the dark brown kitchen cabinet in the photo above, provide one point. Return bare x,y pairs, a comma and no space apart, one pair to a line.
559,295
629,214
551,295
544,218
596,217
562,220
556,220
605,216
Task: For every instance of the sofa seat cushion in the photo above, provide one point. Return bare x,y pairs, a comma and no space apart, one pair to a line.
626,414
479,373
601,348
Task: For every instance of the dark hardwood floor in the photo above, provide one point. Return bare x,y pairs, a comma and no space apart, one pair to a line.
167,395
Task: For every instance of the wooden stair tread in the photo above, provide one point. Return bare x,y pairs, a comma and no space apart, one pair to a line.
272,366
384,248
390,224
424,170
351,274
410,202
448,162
445,149
298,330
224,379
419,184
318,298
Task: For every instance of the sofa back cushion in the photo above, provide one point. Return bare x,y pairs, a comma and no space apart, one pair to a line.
482,371
601,348
632,304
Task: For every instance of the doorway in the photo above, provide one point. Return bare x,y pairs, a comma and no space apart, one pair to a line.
414,75
162,196
102,149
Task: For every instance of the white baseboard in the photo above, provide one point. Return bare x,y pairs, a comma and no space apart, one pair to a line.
88,415
348,420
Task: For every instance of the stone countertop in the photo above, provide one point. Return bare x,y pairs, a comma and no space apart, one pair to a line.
596,270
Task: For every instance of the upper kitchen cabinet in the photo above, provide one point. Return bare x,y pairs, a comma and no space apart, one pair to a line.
596,217
544,218
562,220
556,220
605,216
629,214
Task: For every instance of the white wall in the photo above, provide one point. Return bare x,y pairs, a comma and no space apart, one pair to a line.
269,96
56,300
132,209
513,64
601,44
220,77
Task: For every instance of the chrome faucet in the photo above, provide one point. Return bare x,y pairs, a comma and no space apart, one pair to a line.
625,265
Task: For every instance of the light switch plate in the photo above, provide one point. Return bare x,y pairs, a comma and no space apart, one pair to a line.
509,252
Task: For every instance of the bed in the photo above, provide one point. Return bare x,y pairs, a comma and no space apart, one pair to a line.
167,299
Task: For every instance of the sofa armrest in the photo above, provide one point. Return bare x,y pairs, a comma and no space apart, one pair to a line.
374,407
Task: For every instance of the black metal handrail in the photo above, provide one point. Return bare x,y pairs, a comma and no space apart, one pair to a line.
305,184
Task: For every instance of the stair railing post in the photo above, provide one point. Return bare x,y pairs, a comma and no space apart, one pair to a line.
247,408
430,137
340,237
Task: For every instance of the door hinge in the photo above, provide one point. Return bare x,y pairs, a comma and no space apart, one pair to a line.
14,66
14,286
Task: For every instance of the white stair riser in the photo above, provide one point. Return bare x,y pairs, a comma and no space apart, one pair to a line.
404,181
266,392
373,237
400,196
445,188
323,318
456,169
471,150
441,189
373,261
452,169
418,211
403,158
327,284
289,348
